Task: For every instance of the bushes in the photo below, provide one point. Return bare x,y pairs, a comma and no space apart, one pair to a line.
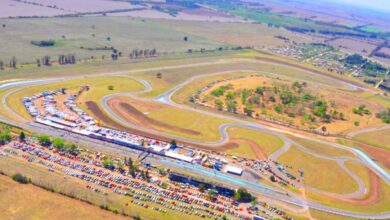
43,43
242,195
384,115
20,178
5,137
44,140
361,110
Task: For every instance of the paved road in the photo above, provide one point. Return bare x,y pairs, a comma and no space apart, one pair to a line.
166,98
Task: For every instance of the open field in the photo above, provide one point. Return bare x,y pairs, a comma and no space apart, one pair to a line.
376,201
380,155
84,36
353,46
377,138
245,34
253,144
41,8
123,65
42,204
318,173
168,119
98,88
322,149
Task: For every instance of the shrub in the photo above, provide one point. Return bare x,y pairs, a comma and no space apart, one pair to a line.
44,140
20,178
357,123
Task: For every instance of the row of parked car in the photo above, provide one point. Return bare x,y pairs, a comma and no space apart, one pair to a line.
190,202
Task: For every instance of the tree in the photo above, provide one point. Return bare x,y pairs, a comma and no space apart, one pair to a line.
242,195
5,137
107,162
120,165
159,75
260,90
357,123
244,96
46,61
20,178
22,136
131,167
162,171
110,87
44,140
12,62
249,109
231,106
341,116
58,143
254,202
278,108
201,187
73,149
218,104
211,193
147,175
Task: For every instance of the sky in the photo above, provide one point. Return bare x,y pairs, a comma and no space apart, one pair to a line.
383,5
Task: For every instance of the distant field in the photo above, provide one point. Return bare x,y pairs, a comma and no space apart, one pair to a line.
71,34
9,8
245,34
379,139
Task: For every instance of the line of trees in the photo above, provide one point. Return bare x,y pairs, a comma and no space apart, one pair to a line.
67,59
44,61
136,53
